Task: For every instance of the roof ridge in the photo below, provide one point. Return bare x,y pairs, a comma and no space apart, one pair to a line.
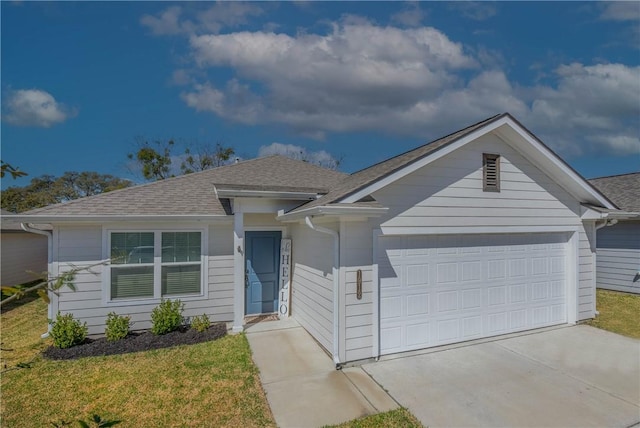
496,116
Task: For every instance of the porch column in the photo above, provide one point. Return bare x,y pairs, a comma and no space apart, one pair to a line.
238,267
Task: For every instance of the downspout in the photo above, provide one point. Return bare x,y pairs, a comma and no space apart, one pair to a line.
28,227
336,284
606,223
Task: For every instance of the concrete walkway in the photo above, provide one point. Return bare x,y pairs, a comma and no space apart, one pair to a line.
303,387
568,377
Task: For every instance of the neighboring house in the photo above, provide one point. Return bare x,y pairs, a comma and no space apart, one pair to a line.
23,255
618,249
483,232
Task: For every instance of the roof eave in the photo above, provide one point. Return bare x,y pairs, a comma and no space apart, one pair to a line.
334,211
298,196
43,218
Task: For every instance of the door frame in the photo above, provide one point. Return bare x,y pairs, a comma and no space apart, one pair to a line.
283,235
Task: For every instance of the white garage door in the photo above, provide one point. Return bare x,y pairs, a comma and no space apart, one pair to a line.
441,289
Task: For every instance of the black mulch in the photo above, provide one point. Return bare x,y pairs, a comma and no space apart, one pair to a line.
136,342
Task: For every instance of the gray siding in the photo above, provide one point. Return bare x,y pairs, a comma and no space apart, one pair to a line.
312,282
21,252
82,246
586,272
356,339
618,257
449,193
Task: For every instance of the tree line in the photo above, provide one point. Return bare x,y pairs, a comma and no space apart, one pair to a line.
155,160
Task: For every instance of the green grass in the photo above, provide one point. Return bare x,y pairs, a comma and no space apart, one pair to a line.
209,384
619,313
399,418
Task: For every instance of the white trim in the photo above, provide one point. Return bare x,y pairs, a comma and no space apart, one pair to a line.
429,158
466,230
283,229
558,163
157,264
238,268
230,193
54,306
36,219
375,281
336,210
573,277
505,121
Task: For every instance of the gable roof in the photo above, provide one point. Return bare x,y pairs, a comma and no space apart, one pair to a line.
374,173
362,183
195,194
623,189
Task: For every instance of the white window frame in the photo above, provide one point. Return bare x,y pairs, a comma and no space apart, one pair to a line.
157,266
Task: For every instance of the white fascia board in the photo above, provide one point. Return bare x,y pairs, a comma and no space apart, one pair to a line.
328,210
555,160
36,219
403,172
230,193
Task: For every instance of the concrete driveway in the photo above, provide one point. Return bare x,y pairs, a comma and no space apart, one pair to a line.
567,377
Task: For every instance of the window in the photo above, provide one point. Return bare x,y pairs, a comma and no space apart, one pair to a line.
491,172
155,264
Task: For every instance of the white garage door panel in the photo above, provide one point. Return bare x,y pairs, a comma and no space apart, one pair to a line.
443,289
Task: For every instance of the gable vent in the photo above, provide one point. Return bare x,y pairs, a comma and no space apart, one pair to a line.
491,172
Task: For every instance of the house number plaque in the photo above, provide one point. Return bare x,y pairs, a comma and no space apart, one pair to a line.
285,277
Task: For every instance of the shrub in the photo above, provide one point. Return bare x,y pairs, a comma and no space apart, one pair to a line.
67,331
117,326
166,317
200,323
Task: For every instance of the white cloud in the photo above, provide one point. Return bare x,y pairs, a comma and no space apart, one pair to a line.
477,11
34,107
166,23
411,15
320,157
176,20
415,82
621,11
599,103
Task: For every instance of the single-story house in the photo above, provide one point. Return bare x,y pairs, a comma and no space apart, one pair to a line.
23,255
483,232
618,246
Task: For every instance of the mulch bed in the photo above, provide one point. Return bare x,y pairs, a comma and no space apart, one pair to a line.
136,342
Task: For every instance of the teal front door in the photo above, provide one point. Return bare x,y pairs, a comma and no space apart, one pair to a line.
261,271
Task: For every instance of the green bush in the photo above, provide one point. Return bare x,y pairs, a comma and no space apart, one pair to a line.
67,331
117,326
200,323
167,316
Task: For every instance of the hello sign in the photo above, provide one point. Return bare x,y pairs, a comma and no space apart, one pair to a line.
285,277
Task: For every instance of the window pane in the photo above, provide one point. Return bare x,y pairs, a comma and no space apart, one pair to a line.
131,247
131,282
180,247
180,279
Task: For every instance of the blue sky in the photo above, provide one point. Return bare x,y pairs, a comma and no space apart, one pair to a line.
361,81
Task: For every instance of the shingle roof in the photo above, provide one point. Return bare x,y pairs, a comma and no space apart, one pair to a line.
194,194
372,174
623,190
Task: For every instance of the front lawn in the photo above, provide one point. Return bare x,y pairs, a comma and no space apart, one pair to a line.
399,418
619,313
207,384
